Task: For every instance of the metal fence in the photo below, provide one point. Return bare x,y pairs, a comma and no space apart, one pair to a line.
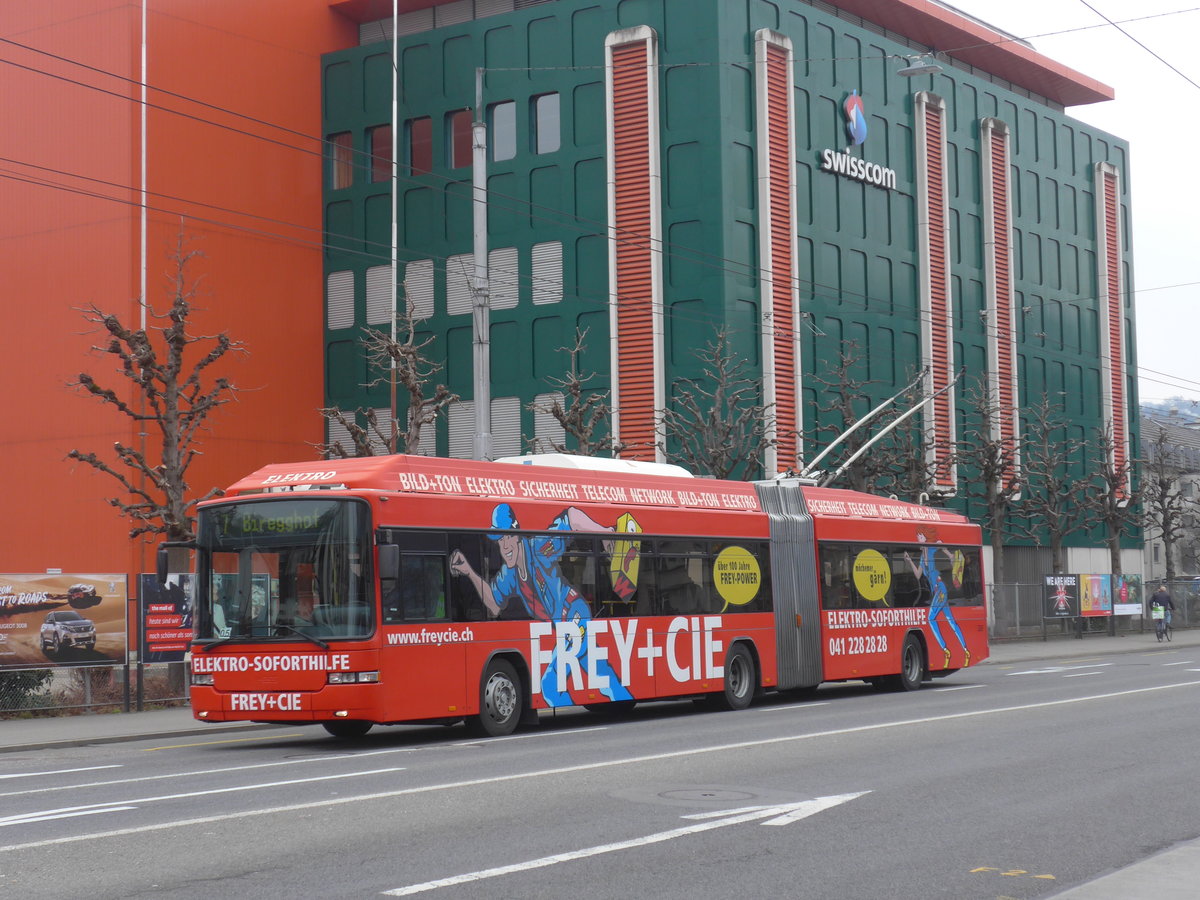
74,689
1017,613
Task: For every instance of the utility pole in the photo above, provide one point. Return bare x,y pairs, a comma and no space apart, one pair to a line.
481,312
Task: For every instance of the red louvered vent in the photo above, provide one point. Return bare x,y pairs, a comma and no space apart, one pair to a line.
634,271
782,263
1004,336
939,325
1115,315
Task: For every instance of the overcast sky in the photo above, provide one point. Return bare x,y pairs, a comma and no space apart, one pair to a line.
1158,111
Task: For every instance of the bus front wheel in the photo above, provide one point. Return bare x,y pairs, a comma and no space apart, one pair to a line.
347,728
500,700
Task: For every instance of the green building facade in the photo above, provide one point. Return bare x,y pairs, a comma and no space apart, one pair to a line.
1028,277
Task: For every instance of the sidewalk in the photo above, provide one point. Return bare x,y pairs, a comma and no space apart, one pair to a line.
106,728
69,731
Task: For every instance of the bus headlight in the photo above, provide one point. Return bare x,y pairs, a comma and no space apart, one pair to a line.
353,678
202,678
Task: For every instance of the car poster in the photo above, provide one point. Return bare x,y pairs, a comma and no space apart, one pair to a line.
62,620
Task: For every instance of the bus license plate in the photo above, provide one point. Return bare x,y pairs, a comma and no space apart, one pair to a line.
266,702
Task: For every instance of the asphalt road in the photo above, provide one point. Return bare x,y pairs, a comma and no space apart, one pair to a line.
1019,780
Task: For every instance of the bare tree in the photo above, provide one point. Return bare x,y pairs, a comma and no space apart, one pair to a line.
584,414
1050,504
846,401
1110,496
402,358
168,396
993,462
1166,506
718,423
911,471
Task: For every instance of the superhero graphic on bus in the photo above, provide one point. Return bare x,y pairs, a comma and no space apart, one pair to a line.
530,573
939,605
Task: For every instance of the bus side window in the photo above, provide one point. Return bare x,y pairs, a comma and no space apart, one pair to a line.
906,589
578,566
420,592
962,582
465,603
680,575
643,599
837,591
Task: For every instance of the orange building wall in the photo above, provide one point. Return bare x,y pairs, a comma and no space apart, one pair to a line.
246,194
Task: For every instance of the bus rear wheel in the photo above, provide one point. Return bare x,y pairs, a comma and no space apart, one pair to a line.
347,728
912,667
740,680
500,700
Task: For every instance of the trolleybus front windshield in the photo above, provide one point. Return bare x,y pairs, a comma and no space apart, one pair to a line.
275,570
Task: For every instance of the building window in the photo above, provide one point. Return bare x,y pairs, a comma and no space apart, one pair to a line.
418,288
502,278
379,295
419,135
547,272
458,134
460,274
503,129
545,124
341,160
380,138
339,300
548,431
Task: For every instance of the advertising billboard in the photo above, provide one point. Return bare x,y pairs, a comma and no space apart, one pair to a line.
1062,596
1127,595
1095,595
166,617
62,620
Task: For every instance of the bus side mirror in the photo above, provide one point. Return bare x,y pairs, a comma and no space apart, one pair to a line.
389,562
172,556
162,563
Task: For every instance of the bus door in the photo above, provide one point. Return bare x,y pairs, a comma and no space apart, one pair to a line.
424,650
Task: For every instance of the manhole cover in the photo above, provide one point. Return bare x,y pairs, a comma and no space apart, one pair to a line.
708,796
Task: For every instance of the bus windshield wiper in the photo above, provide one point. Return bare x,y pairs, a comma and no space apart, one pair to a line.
258,639
244,639
308,637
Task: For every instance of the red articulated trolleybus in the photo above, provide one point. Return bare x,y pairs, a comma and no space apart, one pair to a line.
398,589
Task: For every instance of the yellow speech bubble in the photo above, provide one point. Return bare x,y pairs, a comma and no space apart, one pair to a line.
872,575
737,576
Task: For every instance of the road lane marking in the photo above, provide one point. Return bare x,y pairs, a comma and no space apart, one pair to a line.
777,815
59,771
585,767
1054,670
22,818
1082,674
273,737
69,814
271,765
525,737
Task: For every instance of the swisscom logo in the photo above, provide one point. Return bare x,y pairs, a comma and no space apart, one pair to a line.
842,162
856,119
